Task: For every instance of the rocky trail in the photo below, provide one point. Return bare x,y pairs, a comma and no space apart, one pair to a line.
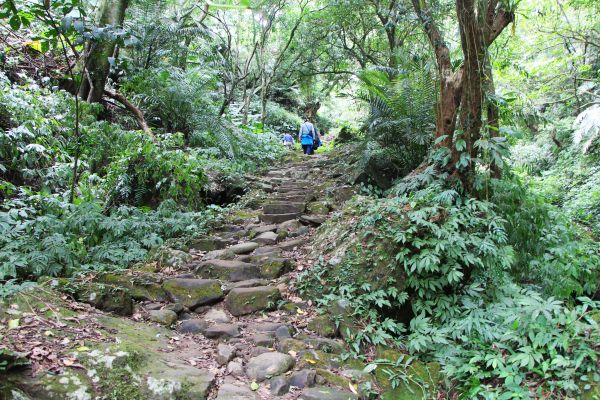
217,321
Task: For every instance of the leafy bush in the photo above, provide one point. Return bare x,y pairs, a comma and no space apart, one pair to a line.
42,235
436,274
281,120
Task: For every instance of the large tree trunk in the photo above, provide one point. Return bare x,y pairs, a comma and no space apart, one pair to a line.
110,12
462,92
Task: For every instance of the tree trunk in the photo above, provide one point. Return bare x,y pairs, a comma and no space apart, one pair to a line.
462,91
110,12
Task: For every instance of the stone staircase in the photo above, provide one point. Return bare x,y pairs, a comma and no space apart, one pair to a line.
263,338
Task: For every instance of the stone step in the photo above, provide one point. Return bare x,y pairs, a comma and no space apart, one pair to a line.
244,248
242,301
228,270
278,218
282,207
267,238
192,293
314,220
292,199
326,393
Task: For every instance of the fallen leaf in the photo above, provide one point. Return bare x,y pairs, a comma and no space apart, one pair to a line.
311,361
68,362
352,388
83,348
292,353
254,386
13,323
48,333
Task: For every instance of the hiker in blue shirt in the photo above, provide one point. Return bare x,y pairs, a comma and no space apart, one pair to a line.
288,140
306,136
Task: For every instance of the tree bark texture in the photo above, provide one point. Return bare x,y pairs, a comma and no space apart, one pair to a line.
110,12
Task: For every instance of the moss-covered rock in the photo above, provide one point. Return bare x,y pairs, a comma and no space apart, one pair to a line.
273,267
423,379
145,286
242,301
174,258
192,293
318,207
323,325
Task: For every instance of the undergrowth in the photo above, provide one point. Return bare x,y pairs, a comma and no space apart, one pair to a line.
505,310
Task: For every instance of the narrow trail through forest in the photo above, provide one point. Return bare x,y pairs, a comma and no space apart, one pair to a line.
261,341
260,350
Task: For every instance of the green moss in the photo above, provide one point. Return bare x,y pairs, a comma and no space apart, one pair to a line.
419,380
323,325
190,295
274,268
318,207
333,379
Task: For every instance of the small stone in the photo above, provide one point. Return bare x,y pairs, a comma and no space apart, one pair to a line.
175,307
225,353
192,326
225,254
163,317
235,368
267,365
244,248
279,385
283,332
303,378
263,339
216,315
232,390
258,350
326,393
222,331
287,345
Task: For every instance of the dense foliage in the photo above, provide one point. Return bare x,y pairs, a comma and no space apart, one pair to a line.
475,130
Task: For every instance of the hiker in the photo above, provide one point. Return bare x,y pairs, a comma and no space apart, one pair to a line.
288,140
306,136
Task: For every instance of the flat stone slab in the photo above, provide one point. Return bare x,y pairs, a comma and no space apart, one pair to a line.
179,381
267,250
219,331
192,293
268,365
314,220
210,244
291,244
326,393
193,326
281,207
233,390
278,218
228,270
215,315
163,317
243,301
244,248
266,238
246,284
263,228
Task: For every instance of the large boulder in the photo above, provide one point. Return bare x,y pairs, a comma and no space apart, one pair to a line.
243,301
193,292
267,365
